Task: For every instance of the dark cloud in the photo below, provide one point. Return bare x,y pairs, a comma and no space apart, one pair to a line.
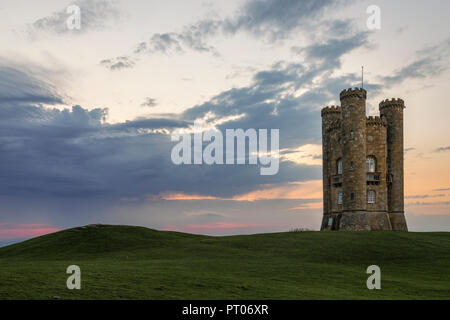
153,123
278,18
95,14
149,102
442,149
332,50
74,153
269,102
18,85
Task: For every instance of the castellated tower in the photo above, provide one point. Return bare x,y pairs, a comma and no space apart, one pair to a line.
363,165
392,111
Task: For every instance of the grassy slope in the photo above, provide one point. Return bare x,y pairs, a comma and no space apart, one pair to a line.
138,263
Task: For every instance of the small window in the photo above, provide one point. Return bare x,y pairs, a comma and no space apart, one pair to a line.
340,197
371,196
330,222
339,166
352,165
352,135
371,164
352,197
340,140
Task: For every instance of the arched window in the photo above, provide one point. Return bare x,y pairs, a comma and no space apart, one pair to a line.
371,164
330,221
371,196
340,197
339,166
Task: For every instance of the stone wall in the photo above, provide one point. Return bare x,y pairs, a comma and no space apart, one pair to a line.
376,146
353,134
392,112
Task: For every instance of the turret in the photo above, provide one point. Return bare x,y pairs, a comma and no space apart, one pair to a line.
353,133
330,118
392,112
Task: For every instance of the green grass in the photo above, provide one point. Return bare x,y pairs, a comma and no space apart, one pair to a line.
122,262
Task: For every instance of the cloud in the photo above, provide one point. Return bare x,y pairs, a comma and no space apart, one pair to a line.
213,227
278,18
174,43
442,149
151,123
444,189
119,63
431,61
9,231
425,196
95,15
75,152
332,50
149,102
437,203
20,85
272,20
407,150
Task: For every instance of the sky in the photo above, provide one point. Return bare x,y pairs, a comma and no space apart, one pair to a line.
86,115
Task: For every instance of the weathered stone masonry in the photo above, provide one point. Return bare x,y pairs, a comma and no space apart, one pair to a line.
363,165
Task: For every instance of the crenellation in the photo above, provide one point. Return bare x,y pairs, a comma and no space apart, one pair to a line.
331,110
393,102
375,121
352,93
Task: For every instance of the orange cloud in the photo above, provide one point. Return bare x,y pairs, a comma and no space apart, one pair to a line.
294,190
21,231
183,196
212,227
308,154
297,190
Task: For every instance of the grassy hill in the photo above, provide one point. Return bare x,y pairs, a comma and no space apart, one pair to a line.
123,262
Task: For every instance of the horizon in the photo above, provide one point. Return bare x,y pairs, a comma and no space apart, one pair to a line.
87,114
15,241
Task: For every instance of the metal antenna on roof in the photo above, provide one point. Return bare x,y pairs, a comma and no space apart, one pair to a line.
362,77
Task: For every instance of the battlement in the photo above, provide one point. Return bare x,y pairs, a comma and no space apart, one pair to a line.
331,110
392,103
375,121
353,93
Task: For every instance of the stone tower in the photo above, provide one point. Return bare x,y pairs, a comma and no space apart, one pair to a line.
363,165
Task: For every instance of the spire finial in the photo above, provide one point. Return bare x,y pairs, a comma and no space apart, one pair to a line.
362,77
